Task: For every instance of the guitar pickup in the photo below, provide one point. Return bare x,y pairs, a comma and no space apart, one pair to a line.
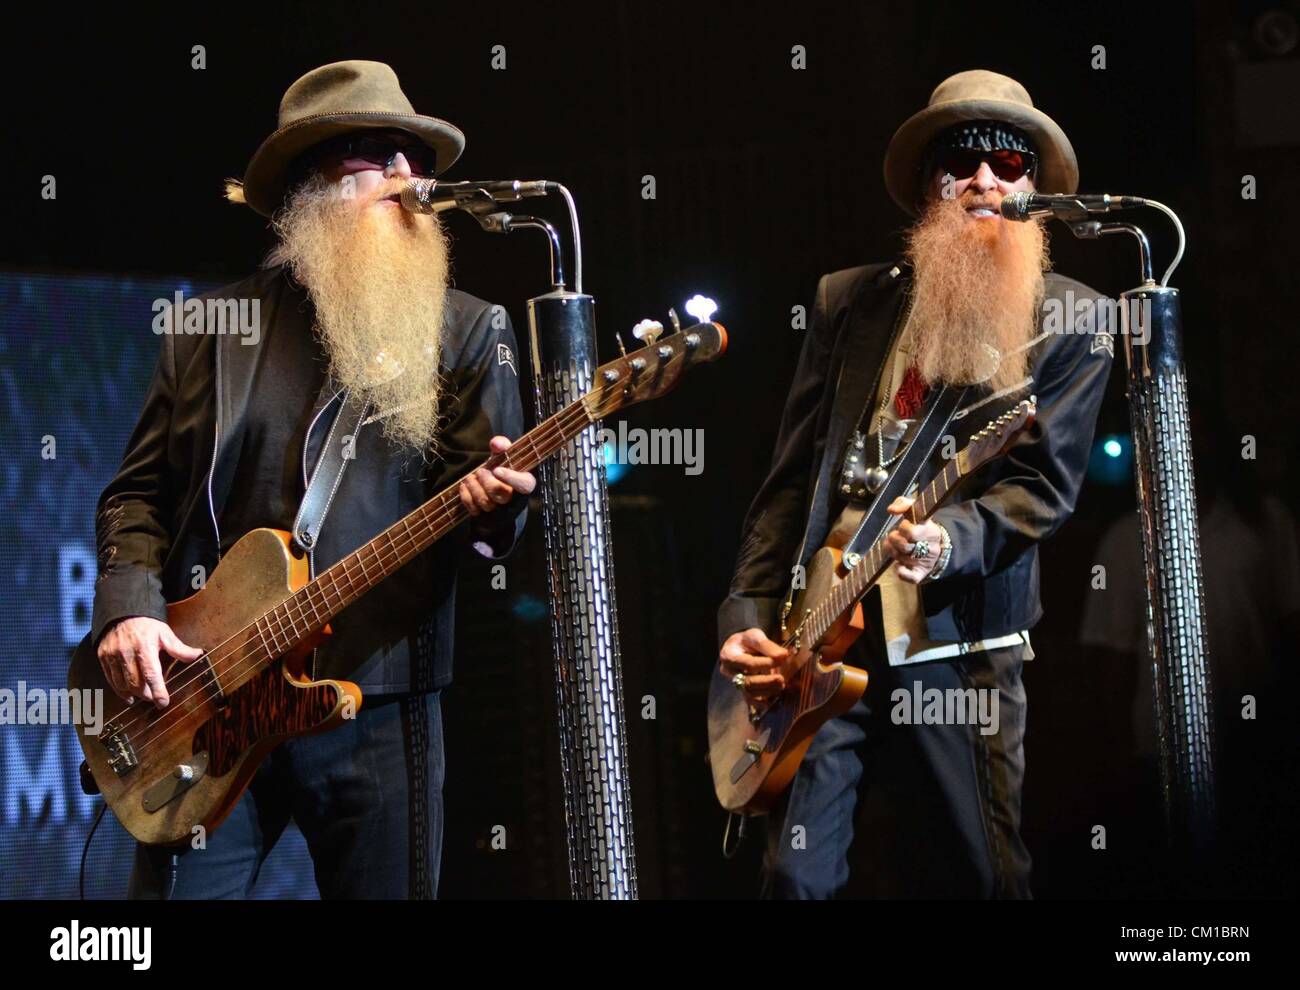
121,754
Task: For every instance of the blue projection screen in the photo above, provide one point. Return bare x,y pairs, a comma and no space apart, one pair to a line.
76,353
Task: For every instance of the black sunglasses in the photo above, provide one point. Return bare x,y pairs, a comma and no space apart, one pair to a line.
380,150
1007,164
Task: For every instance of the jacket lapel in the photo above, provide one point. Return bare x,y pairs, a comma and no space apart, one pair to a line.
861,349
236,367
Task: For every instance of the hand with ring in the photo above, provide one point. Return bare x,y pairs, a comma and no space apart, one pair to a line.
914,546
753,663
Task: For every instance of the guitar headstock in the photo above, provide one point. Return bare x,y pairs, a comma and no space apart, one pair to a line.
997,436
652,370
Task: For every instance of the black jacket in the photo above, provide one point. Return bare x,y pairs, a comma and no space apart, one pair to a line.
990,586
158,519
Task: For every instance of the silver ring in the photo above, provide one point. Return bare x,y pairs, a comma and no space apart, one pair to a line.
739,681
921,550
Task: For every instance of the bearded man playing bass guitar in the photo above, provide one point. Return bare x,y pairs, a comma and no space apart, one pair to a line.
965,307
354,301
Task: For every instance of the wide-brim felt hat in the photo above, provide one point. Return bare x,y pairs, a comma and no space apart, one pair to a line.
977,94
332,100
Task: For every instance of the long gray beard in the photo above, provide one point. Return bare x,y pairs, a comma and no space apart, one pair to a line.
378,281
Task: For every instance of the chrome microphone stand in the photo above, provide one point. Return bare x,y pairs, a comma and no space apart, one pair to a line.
584,620
1157,398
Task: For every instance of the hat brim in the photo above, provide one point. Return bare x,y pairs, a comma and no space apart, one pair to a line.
264,179
1058,169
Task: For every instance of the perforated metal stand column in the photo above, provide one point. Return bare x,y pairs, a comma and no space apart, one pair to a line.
1157,395
584,626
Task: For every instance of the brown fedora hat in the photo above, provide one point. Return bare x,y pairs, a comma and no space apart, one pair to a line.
977,95
332,100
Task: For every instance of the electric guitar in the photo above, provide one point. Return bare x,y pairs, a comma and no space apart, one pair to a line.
166,772
755,748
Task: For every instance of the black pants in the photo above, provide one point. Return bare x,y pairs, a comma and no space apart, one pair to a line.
937,806
367,797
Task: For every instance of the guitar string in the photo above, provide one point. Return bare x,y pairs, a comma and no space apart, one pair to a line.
315,593
447,514
256,647
822,623
556,422
560,428
866,565
928,497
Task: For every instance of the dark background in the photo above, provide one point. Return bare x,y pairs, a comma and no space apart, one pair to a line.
766,178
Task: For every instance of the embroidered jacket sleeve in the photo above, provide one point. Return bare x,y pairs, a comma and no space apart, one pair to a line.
131,521
484,402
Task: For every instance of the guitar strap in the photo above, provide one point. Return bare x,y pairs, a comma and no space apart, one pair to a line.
328,474
860,525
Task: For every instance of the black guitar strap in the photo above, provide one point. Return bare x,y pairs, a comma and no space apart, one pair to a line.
339,448
859,526
867,524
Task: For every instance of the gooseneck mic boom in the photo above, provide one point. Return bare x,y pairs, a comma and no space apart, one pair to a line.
432,196
1027,205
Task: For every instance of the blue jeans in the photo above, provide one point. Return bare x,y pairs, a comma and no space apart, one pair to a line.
937,806
367,797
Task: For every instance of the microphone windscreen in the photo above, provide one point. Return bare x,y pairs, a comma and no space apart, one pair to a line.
1015,206
415,197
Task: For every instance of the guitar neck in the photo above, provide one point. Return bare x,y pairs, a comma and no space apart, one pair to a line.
320,600
868,570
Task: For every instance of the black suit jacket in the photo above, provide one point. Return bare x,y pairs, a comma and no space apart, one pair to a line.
158,519
990,586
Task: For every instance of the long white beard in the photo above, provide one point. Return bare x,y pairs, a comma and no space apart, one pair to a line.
378,279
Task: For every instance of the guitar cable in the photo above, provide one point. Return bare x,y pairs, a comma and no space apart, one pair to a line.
85,851
741,831
173,868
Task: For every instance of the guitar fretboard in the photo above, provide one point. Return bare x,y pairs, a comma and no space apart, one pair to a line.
311,607
868,570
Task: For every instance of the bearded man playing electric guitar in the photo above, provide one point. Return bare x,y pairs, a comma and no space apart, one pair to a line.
354,308
964,307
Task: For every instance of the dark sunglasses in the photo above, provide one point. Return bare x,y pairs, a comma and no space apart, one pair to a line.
379,150
1006,164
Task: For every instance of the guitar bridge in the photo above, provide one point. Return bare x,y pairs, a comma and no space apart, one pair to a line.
121,754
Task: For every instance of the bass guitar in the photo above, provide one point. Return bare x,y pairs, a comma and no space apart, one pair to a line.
166,772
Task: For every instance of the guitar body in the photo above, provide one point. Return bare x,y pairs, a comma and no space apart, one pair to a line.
754,751
165,772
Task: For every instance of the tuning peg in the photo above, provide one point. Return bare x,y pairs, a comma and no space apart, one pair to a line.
621,349
648,331
677,324
701,307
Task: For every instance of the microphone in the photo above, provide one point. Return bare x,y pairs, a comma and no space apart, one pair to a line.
432,196
1027,205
